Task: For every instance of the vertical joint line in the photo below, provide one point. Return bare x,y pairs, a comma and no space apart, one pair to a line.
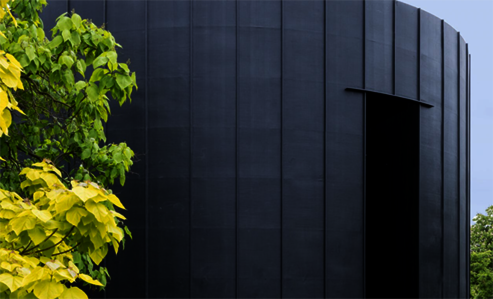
325,152
443,157
282,133
468,212
393,45
364,149
458,158
236,148
419,136
147,144
190,207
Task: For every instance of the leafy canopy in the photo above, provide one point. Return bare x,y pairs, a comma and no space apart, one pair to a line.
482,255
57,220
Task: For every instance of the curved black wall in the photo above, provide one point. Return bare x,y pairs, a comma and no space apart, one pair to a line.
252,173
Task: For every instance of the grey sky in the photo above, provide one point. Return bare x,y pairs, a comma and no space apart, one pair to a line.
474,20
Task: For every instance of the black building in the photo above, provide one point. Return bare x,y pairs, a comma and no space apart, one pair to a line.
291,149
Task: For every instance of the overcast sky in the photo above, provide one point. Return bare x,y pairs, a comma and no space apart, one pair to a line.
474,20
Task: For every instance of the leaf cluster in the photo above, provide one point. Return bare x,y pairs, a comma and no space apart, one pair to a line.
57,219
64,91
39,233
482,255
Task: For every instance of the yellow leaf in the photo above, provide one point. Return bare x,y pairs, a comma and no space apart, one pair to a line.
2,159
63,274
84,193
118,215
74,215
42,215
38,194
48,289
52,266
114,200
4,99
115,245
9,79
73,293
7,214
65,201
89,279
13,282
13,60
98,210
37,274
6,266
116,231
50,179
20,224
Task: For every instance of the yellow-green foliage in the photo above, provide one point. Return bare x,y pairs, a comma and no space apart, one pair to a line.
38,234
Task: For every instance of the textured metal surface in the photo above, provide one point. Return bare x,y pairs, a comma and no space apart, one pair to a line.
251,176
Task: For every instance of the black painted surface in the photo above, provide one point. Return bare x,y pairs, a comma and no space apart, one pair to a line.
392,198
252,178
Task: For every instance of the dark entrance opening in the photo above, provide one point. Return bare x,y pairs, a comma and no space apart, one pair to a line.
392,191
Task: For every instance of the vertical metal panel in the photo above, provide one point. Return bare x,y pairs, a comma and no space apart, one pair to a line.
169,146
450,233
303,149
430,176
93,10
379,45
463,224
213,190
259,145
222,111
51,12
344,148
406,56
468,163
127,124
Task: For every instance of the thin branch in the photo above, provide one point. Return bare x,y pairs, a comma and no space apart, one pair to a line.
67,250
27,251
49,247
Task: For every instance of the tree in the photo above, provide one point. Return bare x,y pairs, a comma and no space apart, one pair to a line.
482,255
57,219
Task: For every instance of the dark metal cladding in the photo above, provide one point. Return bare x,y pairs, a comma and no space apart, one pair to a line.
251,127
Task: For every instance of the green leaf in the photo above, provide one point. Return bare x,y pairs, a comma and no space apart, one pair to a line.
86,154
68,77
117,157
55,42
76,20
80,85
30,53
66,60
92,92
75,39
124,67
81,67
64,23
41,33
97,75
66,35
101,60
123,80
